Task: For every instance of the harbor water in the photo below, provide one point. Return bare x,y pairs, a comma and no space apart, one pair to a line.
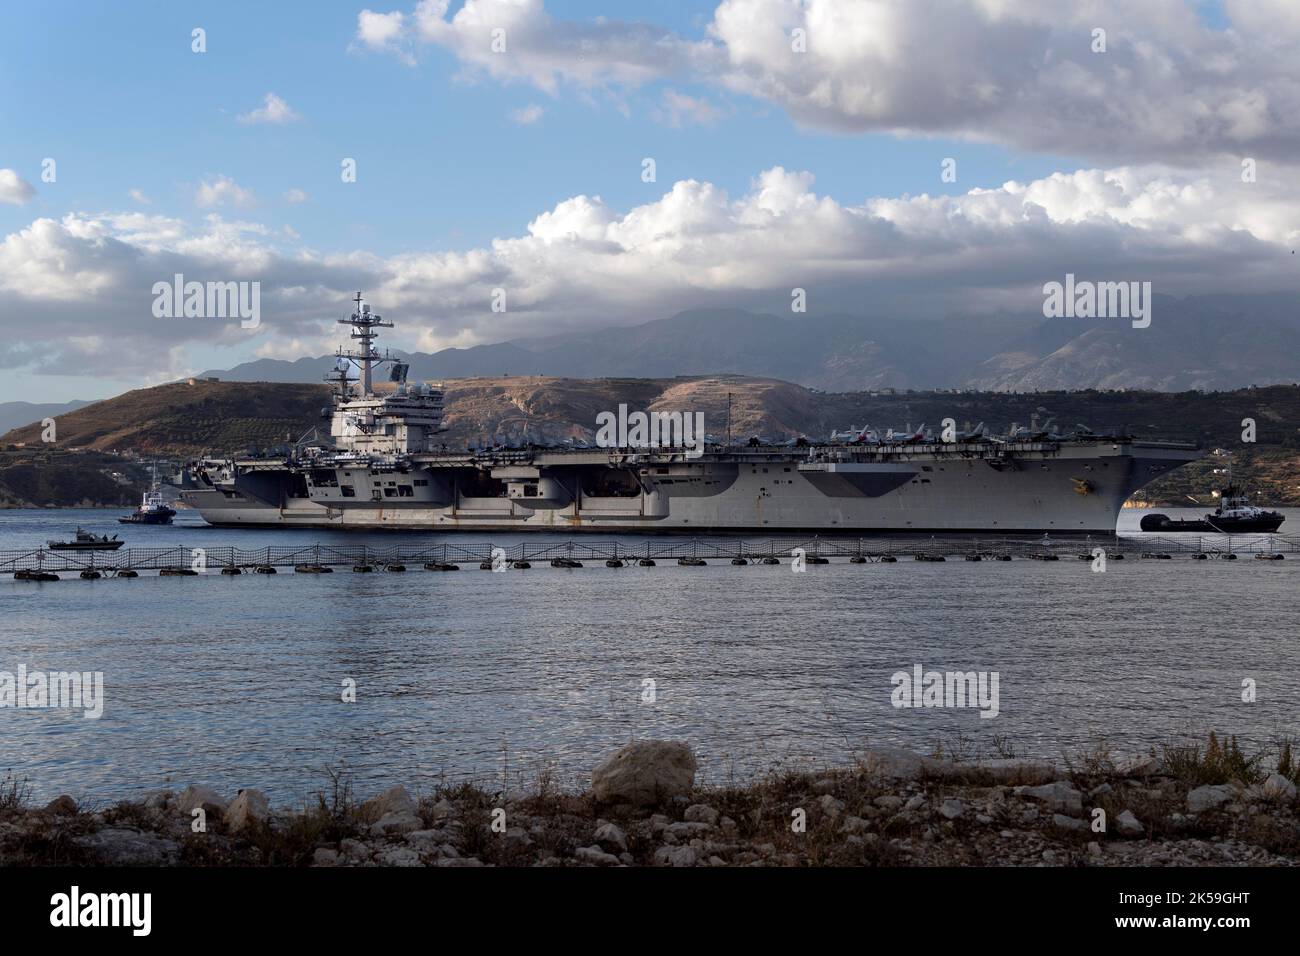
239,681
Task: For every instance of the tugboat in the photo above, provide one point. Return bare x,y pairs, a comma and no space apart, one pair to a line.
153,509
1236,515
85,541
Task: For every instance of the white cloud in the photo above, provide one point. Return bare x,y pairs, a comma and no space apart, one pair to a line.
378,30
140,197
273,110
585,265
678,109
295,196
221,191
1017,72
540,50
14,189
528,115
384,32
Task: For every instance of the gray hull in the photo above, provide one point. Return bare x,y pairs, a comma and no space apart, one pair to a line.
1075,487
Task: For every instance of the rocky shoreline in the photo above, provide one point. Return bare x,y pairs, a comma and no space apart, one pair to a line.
1210,807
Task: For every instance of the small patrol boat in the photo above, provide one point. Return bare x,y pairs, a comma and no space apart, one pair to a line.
85,541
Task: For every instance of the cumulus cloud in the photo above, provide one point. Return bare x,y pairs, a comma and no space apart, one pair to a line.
585,265
220,191
385,32
295,196
14,189
1022,73
519,40
139,196
273,110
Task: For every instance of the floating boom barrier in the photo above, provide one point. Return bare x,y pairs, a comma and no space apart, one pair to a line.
41,564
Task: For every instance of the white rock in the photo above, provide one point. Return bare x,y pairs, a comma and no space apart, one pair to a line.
644,772
195,796
896,763
1140,765
952,809
1129,825
595,855
398,856
393,800
611,837
324,856
888,802
396,824
1209,798
1059,796
249,806
674,856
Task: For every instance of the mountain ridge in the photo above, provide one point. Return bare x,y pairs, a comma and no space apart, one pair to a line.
1205,342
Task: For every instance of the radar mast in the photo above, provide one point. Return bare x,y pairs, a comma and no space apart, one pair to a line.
364,324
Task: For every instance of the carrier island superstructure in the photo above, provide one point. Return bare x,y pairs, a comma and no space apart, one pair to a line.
385,468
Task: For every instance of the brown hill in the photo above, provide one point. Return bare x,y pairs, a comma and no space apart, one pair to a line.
181,419
217,418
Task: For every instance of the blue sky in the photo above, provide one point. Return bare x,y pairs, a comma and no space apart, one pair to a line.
113,92
126,105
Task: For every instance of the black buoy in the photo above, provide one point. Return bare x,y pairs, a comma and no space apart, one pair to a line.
565,563
647,562
264,569
888,559
395,568
521,565
857,559
771,560
613,563
90,575
739,561
127,573
231,569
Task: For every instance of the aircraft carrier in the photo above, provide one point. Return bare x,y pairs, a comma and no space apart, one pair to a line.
384,468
